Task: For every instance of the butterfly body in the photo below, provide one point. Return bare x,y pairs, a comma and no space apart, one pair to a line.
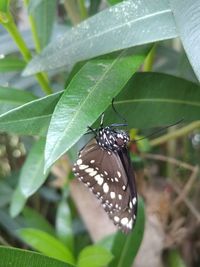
104,166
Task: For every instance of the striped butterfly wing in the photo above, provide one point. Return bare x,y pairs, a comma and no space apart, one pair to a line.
110,177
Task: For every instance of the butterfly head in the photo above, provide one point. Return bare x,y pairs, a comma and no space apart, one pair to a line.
112,139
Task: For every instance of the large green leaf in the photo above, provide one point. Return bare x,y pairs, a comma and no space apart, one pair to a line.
155,99
30,119
186,15
125,247
12,257
44,16
97,82
46,244
124,25
94,256
175,98
11,98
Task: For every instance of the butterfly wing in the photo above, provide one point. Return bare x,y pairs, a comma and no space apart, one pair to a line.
110,177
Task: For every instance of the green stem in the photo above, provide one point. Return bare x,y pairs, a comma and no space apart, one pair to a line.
13,30
33,30
178,133
83,9
148,64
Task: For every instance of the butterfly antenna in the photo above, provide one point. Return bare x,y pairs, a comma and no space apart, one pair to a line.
120,116
160,130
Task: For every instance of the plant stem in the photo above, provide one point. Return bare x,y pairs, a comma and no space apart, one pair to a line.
13,30
83,9
148,64
178,133
33,30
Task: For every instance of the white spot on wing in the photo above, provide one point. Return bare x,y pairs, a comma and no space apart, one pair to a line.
119,174
112,195
134,200
79,161
93,173
99,179
82,167
120,197
116,219
88,170
105,188
124,221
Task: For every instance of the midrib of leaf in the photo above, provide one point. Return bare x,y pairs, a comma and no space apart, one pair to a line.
84,101
21,120
119,26
120,263
162,100
131,22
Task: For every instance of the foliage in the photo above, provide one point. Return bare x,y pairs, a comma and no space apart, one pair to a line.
56,79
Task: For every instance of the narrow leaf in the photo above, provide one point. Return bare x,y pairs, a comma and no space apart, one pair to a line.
46,244
124,25
11,64
100,79
186,15
64,224
17,203
11,98
44,16
94,256
22,258
30,119
125,247
32,175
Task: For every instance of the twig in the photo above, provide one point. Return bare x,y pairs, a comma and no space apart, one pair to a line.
176,162
187,186
187,202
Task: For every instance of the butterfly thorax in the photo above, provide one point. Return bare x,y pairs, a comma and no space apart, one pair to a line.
112,139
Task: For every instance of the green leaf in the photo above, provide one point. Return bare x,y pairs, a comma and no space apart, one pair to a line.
34,219
11,64
22,258
33,4
32,175
125,247
17,203
94,256
4,7
100,79
155,99
114,2
30,119
142,100
46,244
125,25
5,193
187,19
44,16
64,224
174,259
11,98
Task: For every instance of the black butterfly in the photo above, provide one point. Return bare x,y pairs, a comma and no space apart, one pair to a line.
104,166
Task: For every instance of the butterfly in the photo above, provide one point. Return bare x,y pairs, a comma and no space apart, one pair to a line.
104,166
